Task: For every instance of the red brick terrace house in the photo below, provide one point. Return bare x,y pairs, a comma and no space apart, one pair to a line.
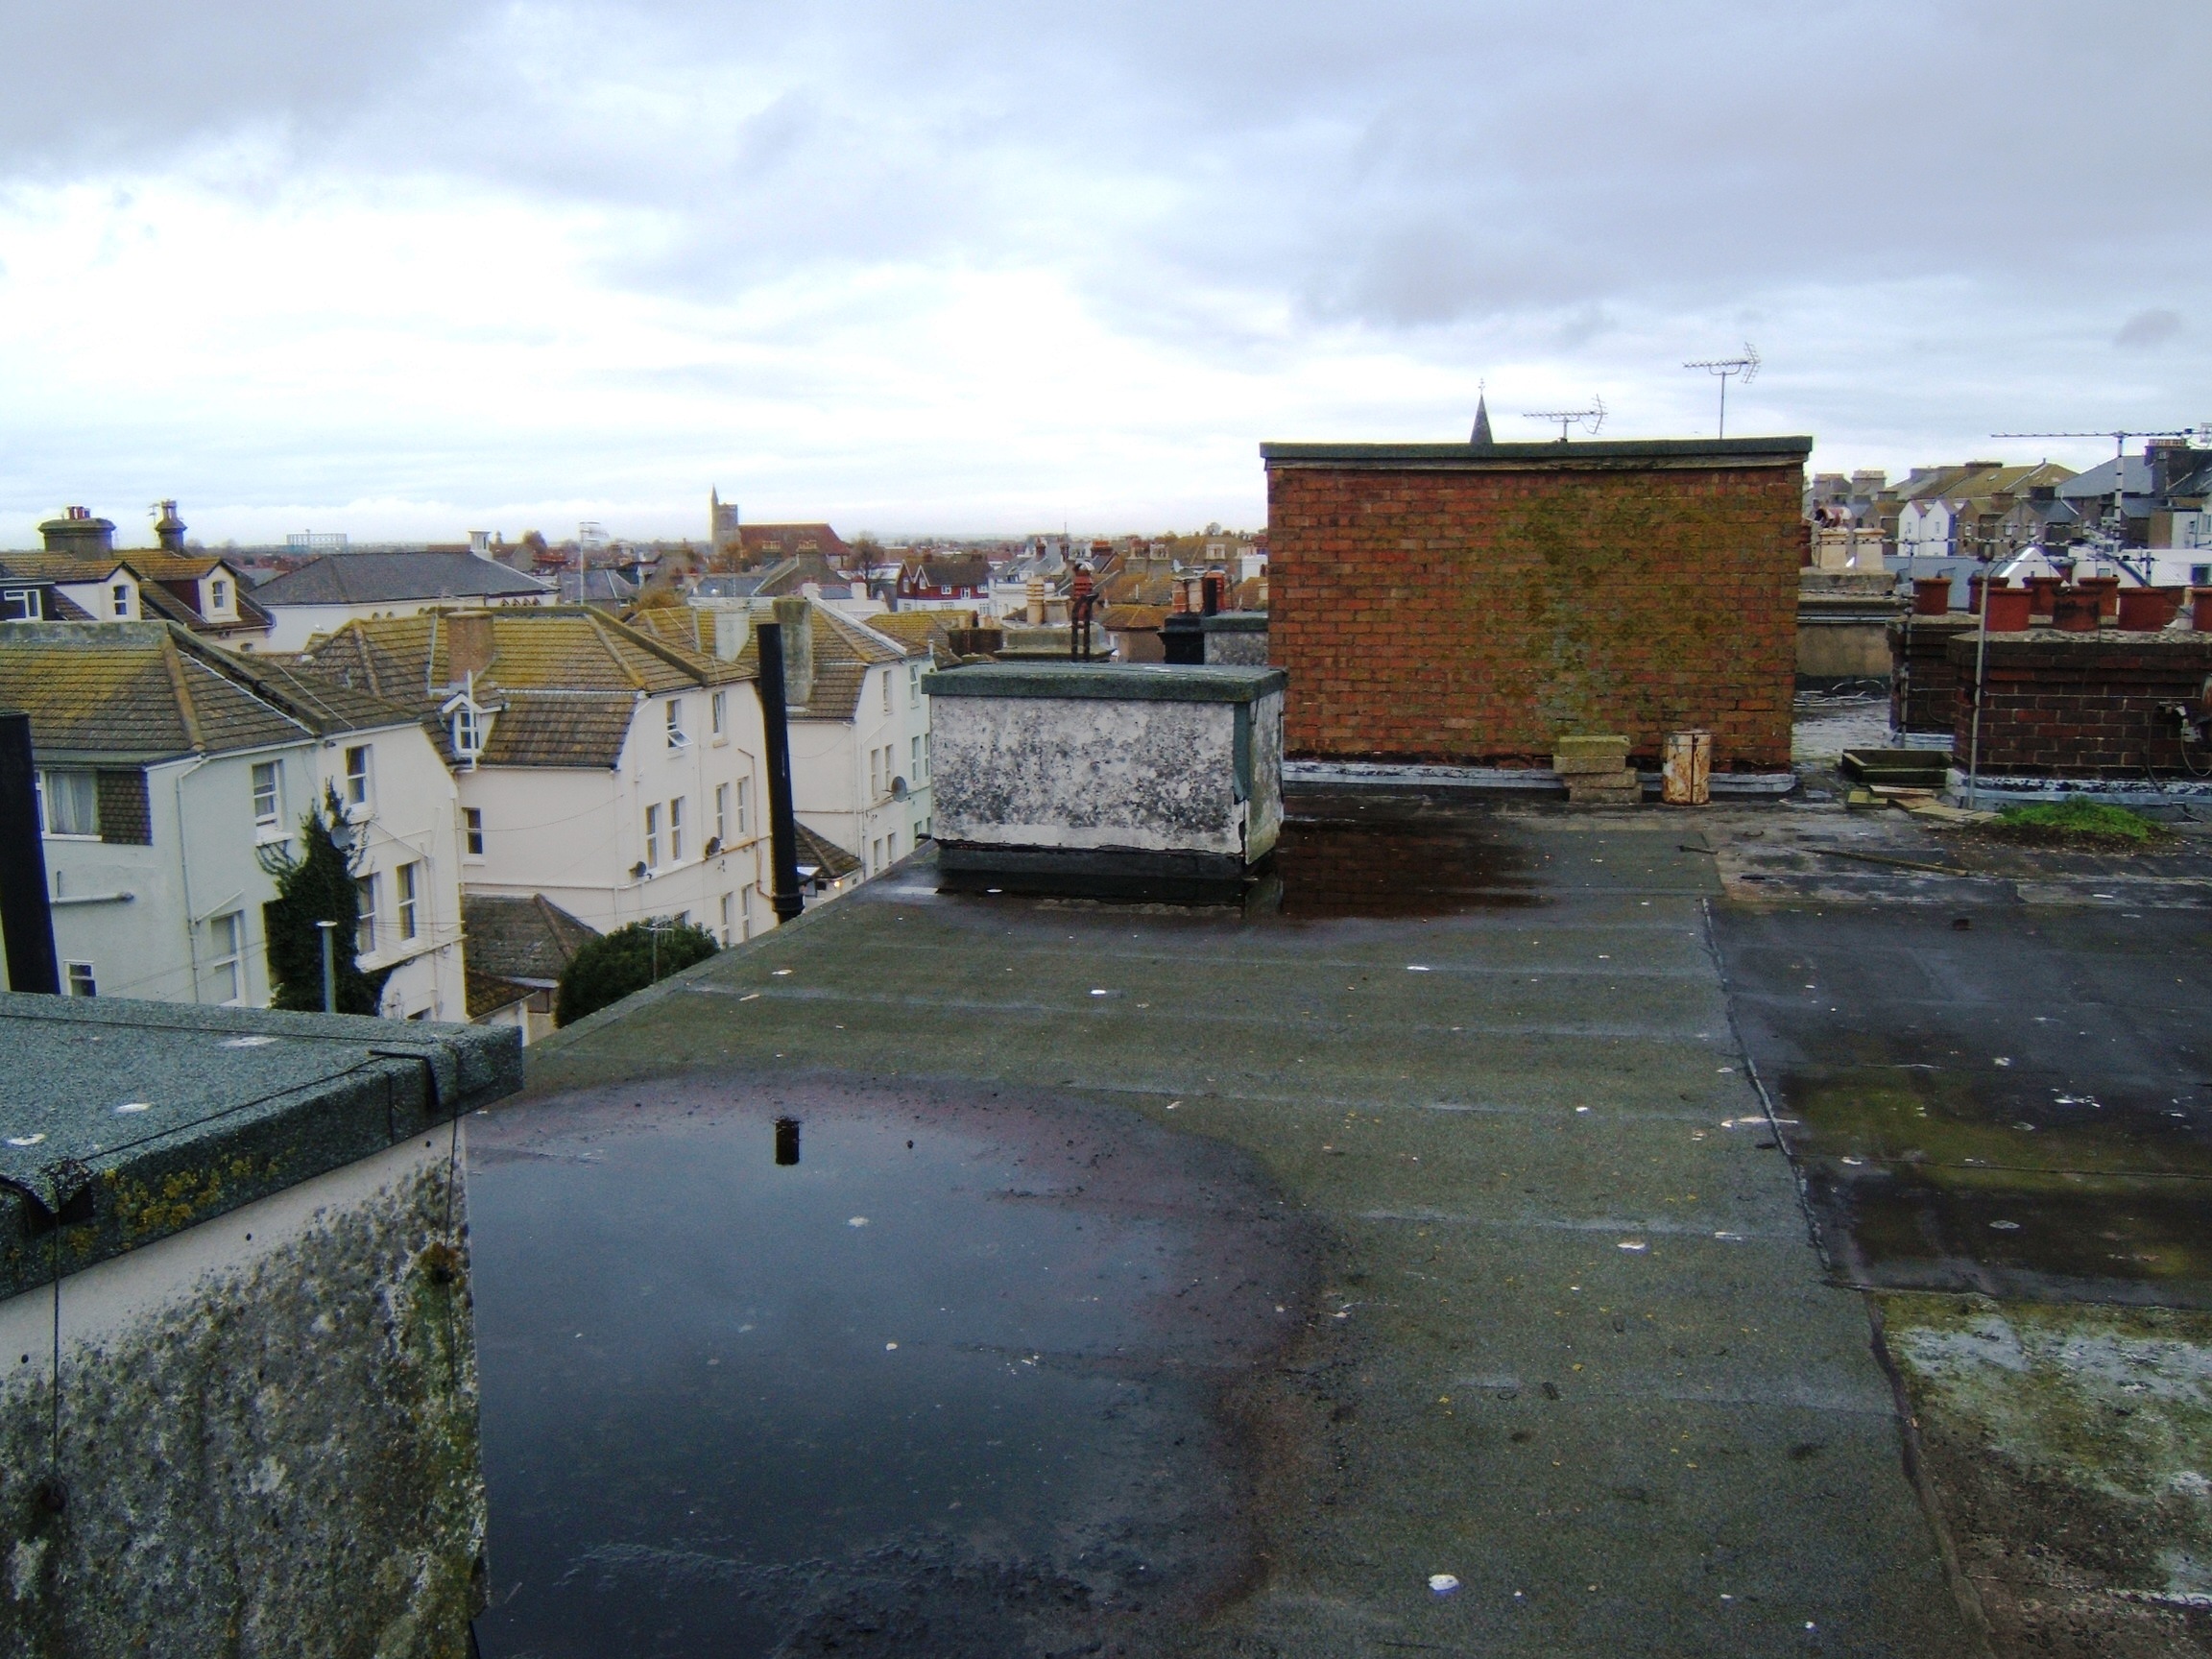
1467,604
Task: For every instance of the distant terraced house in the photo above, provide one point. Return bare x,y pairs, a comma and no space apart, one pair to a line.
616,774
169,768
80,577
325,594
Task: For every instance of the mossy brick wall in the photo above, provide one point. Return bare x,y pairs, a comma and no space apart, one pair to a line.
1923,684
2084,704
1472,613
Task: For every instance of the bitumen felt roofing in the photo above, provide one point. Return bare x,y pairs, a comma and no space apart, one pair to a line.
131,1121
1566,1338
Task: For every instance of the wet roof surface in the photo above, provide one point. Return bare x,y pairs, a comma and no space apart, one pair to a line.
1567,1338
2020,1106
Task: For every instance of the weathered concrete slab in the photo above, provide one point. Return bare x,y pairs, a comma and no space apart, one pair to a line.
237,1367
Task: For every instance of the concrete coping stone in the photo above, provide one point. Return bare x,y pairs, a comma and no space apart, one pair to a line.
1109,682
2049,644
1608,747
123,1121
1553,454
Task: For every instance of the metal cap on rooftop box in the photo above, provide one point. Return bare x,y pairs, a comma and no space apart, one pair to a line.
1141,780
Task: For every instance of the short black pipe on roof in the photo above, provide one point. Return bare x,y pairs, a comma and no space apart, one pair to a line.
25,916
782,824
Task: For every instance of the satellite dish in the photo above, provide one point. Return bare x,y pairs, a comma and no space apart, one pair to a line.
637,871
898,789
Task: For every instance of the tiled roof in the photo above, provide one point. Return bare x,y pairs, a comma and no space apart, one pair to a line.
488,993
61,566
844,651
563,682
558,729
783,541
149,690
1122,617
517,938
824,856
383,578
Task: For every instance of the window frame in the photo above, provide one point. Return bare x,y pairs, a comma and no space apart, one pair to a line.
119,600
718,714
676,829
46,800
268,826
652,836
227,935
33,599
678,737
80,979
406,890
473,832
359,784
365,914
722,814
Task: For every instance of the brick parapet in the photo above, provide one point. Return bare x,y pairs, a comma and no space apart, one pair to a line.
1472,615
2084,704
1923,684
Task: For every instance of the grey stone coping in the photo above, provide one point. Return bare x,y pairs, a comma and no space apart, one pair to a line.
131,1121
1234,623
1109,682
1385,776
1640,452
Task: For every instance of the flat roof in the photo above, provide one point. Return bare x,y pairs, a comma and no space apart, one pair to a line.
1603,455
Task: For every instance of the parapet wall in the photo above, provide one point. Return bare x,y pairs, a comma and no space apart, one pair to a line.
1462,604
2084,705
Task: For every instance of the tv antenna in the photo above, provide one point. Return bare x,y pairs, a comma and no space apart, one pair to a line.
2119,455
1745,369
1589,419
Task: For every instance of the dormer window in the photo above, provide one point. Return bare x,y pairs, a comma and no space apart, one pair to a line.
218,596
468,732
22,605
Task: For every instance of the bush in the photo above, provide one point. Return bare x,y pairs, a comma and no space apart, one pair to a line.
614,965
316,885
2077,821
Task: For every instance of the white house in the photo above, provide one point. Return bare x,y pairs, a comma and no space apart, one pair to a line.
859,723
614,773
325,594
169,768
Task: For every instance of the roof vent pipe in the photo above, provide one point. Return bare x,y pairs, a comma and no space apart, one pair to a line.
782,824
25,917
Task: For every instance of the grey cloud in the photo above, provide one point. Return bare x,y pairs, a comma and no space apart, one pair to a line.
2147,328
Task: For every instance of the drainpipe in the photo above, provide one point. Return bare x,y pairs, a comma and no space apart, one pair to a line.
1974,738
24,918
184,877
783,826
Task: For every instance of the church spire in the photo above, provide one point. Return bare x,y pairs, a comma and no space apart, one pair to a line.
1482,439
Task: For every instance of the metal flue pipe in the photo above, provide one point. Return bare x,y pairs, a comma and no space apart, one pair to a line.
782,824
26,917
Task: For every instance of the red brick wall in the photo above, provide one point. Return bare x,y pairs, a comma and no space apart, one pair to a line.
1923,682
2084,704
1473,615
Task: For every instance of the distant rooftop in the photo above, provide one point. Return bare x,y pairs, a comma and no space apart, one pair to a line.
385,578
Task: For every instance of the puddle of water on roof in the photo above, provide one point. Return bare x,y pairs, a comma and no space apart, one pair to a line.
722,1415
1929,1176
1351,858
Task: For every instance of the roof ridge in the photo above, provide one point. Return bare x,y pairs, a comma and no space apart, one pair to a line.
186,711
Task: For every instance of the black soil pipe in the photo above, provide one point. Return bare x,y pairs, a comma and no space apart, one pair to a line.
783,826
25,917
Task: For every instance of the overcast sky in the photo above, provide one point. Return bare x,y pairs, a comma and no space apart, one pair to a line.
409,267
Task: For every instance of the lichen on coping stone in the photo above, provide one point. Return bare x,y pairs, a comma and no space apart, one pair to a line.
125,1121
